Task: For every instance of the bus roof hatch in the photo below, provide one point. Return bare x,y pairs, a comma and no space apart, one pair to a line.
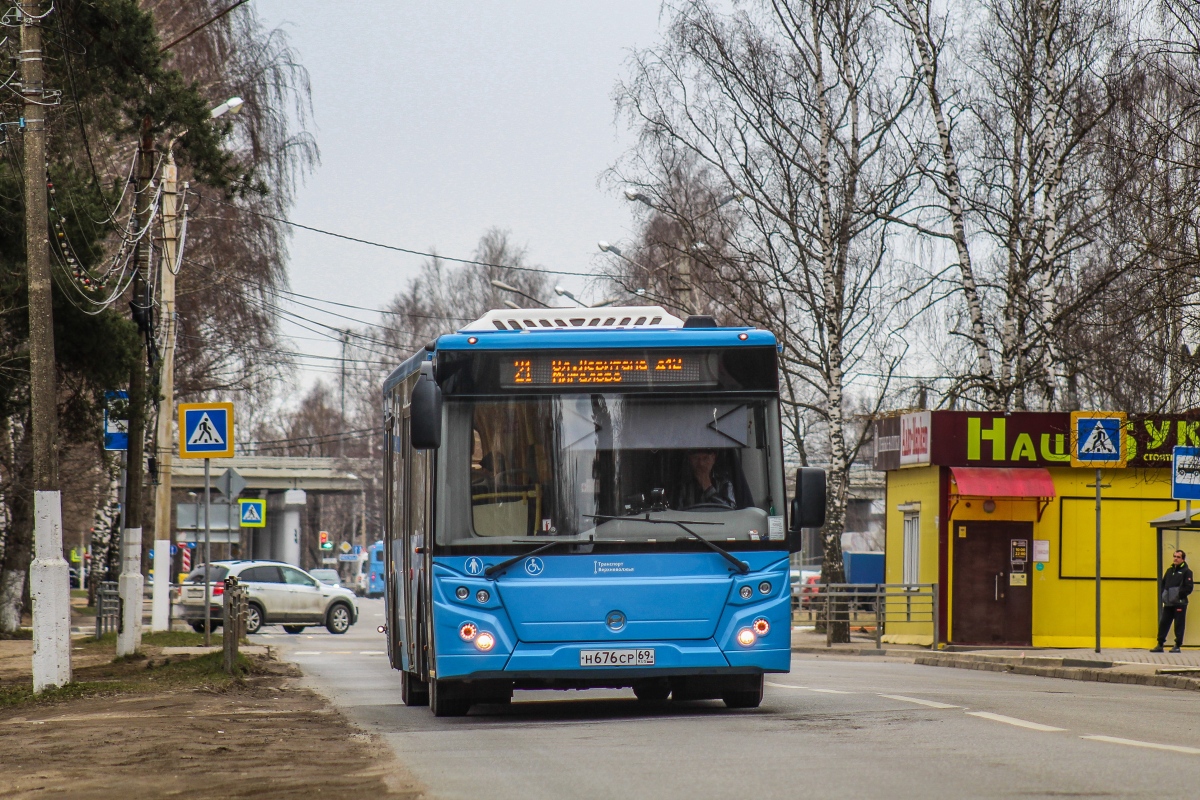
586,318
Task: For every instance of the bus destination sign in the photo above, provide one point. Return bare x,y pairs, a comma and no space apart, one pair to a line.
560,369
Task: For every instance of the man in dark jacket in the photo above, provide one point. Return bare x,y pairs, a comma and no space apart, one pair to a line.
1175,587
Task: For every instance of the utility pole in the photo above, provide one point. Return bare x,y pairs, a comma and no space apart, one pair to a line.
48,577
129,636
161,616
342,389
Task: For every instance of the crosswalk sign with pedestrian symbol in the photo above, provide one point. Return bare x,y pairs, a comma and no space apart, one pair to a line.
206,430
1098,439
253,513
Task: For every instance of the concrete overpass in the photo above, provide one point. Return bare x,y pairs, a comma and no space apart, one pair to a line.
279,473
283,480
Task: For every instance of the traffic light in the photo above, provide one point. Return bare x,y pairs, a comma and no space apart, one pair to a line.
325,543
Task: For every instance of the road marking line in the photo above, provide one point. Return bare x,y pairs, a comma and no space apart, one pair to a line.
372,653
806,688
1020,723
918,701
348,652
307,653
1177,748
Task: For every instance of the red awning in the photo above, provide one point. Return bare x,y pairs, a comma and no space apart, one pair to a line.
1003,482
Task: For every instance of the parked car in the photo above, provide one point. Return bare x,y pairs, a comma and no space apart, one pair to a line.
327,576
809,589
278,594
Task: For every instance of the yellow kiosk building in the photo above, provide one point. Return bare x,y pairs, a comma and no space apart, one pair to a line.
988,507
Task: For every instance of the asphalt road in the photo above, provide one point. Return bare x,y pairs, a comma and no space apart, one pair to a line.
855,727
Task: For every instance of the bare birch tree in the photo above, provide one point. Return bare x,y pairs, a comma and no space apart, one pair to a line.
1015,177
791,107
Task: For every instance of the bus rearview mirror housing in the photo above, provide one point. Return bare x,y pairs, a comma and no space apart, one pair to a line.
425,423
808,506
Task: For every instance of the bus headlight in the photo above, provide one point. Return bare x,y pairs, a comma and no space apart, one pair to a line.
761,627
467,631
462,592
746,637
765,587
745,592
485,641
482,596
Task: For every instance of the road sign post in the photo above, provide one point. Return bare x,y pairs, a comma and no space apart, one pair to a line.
206,431
1098,441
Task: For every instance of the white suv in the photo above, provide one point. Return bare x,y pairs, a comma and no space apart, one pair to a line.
277,594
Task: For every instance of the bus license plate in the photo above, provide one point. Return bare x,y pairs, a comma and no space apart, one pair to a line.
643,657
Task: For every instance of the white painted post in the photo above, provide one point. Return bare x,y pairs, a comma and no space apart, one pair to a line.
129,586
160,617
50,588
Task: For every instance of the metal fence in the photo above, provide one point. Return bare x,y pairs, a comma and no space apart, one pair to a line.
872,604
108,608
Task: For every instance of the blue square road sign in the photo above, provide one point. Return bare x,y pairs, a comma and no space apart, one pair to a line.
206,430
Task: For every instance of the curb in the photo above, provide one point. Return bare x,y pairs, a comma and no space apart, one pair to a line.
1029,666
842,651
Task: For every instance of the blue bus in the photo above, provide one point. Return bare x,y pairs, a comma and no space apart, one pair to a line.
586,498
375,570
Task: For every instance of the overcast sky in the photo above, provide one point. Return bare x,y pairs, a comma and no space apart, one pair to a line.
437,121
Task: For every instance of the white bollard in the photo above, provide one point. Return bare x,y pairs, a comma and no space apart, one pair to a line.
129,639
50,589
160,617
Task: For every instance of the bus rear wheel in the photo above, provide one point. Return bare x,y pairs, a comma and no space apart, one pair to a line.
413,690
448,699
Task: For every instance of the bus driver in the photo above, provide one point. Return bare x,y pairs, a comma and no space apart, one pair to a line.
701,484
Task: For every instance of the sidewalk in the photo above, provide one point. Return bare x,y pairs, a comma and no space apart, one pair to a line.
1188,658
807,640
1167,670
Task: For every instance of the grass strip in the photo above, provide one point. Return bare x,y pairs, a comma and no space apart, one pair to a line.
129,676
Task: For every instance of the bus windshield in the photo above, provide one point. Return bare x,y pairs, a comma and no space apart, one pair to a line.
611,467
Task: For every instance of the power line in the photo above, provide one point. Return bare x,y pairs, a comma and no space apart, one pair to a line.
318,438
406,250
201,26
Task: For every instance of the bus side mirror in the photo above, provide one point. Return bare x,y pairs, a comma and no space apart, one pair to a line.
808,507
425,425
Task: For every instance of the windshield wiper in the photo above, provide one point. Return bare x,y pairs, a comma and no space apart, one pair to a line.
741,566
496,569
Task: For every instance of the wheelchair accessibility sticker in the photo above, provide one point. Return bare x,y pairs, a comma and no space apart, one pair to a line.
534,566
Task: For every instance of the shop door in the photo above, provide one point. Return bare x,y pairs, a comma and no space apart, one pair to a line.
992,590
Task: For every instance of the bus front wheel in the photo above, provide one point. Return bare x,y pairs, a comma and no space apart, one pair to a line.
448,699
743,693
413,690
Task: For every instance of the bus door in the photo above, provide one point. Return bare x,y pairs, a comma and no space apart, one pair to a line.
416,550
391,574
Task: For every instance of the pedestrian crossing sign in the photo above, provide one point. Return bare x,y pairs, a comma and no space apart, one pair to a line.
254,513
206,430
1098,439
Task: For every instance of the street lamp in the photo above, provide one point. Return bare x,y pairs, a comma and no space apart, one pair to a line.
561,292
231,106
606,247
507,288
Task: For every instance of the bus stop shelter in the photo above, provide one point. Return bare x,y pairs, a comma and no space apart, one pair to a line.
1177,530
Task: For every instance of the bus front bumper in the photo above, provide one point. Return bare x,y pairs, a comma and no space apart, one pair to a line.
563,659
